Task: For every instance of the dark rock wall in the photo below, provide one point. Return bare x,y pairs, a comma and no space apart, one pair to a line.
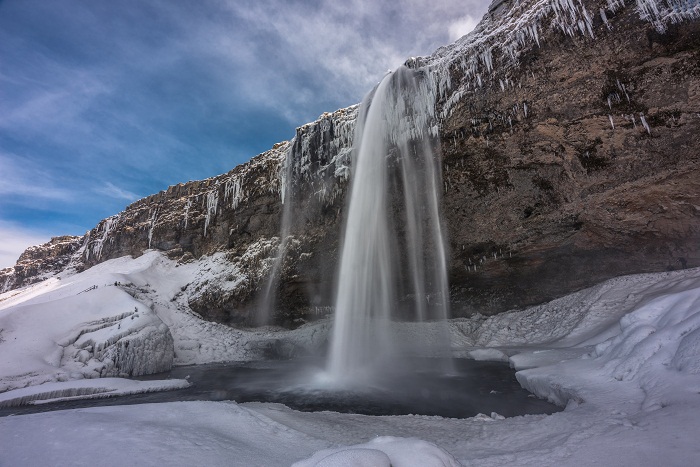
600,177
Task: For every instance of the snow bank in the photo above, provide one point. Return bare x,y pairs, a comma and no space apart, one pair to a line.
102,332
128,317
586,317
655,345
383,451
86,389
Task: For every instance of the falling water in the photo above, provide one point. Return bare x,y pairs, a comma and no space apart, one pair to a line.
267,301
393,258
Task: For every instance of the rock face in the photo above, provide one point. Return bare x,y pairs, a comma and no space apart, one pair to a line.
585,166
38,261
570,155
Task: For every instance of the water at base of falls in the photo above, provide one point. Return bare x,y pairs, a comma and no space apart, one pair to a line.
476,387
393,256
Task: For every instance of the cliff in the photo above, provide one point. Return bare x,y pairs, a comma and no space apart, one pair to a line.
569,156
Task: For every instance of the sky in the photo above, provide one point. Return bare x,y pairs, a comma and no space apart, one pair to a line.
103,102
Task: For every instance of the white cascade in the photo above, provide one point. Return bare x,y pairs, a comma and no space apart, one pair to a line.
393,260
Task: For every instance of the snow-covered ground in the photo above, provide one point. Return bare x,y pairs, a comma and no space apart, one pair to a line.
124,317
623,357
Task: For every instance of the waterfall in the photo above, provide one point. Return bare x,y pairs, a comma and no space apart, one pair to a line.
266,304
393,260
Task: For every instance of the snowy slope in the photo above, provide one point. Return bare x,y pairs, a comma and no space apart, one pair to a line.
63,334
125,317
623,358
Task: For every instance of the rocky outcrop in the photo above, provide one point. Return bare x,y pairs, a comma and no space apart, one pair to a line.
569,155
38,261
577,164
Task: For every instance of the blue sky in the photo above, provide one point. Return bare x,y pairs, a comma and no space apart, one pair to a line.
104,102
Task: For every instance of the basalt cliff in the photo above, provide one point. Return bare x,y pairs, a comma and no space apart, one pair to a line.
570,154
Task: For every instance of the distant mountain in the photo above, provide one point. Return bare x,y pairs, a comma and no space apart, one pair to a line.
569,154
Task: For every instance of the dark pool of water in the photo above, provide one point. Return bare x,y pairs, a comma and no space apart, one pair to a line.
470,388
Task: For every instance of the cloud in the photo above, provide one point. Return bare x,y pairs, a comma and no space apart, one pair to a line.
114,191
462,27
14,240
327,52
22,179
149,94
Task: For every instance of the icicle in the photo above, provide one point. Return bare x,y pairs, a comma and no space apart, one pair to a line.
644,123
152,226
107,226
187,211
625,91
212,204
233,190
604,17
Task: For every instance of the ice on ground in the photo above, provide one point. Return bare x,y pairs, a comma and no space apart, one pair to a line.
491,355
86,389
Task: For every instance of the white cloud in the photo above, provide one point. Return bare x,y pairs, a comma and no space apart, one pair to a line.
462,26
14,240
26,181
114,191
330,52
165,92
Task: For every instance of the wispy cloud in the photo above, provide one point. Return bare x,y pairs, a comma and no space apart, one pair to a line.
114,191
136,96
22,179
326,52
14,240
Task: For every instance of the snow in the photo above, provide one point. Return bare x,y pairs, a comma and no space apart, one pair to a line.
129,317
622,357
65,334
85,389
383,451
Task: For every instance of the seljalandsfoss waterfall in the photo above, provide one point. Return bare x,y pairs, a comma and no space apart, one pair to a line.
393,256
